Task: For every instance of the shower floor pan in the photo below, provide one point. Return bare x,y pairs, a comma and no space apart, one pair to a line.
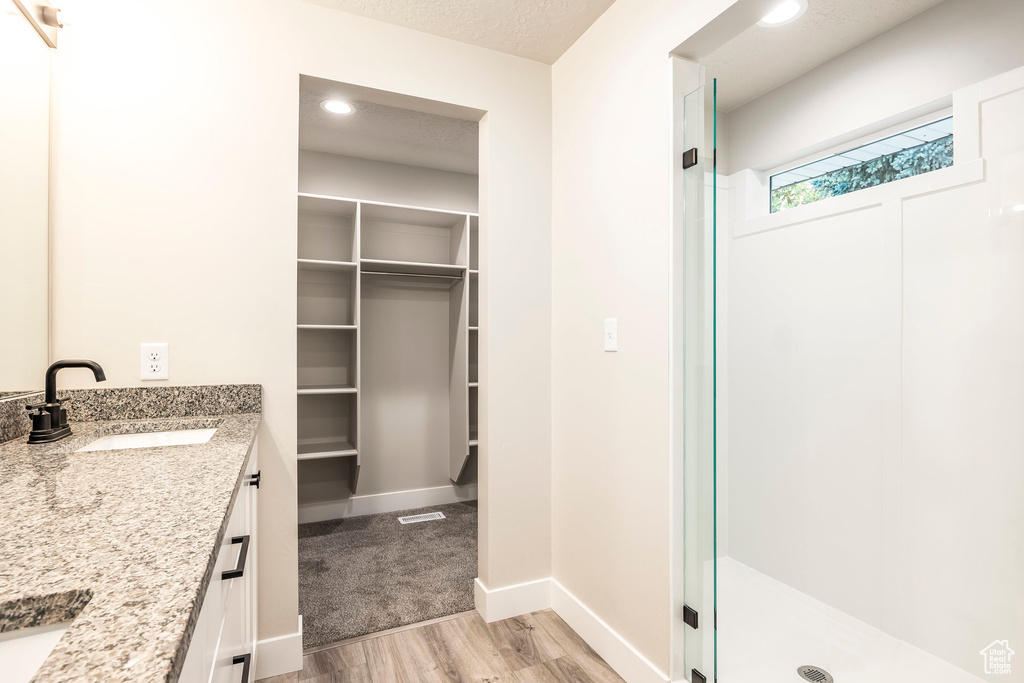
766,630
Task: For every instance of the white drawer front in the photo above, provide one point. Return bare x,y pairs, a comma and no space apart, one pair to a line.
227,626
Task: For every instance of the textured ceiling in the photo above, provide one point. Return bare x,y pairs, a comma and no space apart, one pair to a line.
759,59
536,29
415,132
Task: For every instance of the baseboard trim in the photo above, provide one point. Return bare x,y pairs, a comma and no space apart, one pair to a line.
280,655
386,502
613,648
495,604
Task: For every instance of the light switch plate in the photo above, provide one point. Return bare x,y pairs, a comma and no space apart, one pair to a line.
153,361
611,334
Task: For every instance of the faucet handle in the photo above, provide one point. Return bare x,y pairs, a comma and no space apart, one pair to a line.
41,421
44,405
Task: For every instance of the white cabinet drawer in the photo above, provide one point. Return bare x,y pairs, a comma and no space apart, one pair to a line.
198,662
226,631
235,643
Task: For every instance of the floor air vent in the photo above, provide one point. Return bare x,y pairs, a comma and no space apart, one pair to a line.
428,517
815,674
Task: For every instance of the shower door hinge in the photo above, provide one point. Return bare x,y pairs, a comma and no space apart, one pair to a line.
697,677
689,158
689,616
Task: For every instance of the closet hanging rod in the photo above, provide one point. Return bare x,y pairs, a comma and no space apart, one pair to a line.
443,277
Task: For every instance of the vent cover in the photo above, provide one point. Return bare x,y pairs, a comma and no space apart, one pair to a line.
815,674
428,517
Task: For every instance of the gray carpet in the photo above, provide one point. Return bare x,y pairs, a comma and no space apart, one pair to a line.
367,574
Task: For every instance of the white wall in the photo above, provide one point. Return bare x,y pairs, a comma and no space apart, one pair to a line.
954,44
174,178
24,174
807,312
963,398
612,94
381,181
876,391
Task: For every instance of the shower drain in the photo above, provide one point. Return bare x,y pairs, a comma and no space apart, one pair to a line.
815,674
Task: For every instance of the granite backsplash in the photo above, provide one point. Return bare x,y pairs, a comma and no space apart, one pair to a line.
136,403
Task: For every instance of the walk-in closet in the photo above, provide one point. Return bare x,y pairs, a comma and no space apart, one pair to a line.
388,346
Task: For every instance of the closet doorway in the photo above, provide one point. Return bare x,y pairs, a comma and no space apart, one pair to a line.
387,341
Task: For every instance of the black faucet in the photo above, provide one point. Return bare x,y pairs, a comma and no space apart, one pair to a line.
50,421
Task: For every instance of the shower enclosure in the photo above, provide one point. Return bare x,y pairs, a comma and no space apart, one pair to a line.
693,381
847,402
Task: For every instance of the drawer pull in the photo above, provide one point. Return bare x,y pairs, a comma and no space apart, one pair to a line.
254,479
244,660
239,570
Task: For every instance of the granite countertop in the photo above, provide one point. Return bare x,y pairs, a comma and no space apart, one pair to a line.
124,539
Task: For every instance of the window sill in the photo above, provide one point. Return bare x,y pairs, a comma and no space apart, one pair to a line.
926,183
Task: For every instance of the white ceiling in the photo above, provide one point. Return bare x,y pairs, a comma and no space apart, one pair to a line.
388,127
536,29
759,59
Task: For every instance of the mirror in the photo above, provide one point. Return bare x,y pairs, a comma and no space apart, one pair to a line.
24,196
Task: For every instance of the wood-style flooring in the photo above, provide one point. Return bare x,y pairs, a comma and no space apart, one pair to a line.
533,648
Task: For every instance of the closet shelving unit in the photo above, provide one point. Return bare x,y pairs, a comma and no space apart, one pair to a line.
342,241
473,318
327,330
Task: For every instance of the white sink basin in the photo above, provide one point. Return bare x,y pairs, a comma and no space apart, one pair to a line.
181,437
22,652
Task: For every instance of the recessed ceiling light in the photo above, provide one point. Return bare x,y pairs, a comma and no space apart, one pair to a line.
783,13
337,106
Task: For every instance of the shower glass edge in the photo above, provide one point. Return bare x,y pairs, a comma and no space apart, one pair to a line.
699,375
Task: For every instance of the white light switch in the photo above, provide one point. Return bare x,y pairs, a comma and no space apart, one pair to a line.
154,363
611,334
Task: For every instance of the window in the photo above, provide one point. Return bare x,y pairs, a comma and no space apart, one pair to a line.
912,152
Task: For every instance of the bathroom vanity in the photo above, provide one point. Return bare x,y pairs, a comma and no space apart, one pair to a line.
126,558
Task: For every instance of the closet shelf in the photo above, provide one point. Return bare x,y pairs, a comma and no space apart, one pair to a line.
326,327
323,204
412,268
318,449
333,266
309,196
335,389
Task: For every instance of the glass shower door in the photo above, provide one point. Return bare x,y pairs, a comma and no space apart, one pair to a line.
694,321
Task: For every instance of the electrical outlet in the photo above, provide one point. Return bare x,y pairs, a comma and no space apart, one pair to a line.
154,361
611,334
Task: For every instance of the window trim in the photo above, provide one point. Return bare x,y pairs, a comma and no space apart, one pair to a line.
968,168
854,140
853,158
957,175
